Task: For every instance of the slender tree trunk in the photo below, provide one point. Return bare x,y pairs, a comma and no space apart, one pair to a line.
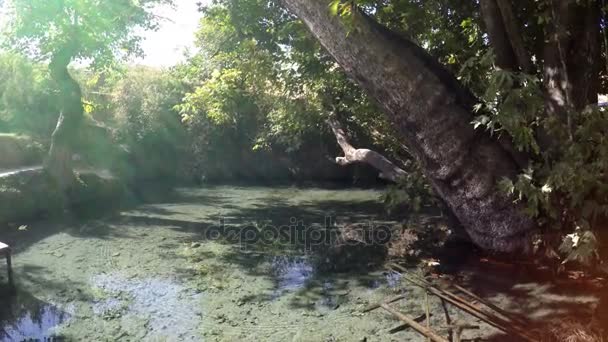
584,54
432,113
571,57
495,27
506,39
514,34
59,160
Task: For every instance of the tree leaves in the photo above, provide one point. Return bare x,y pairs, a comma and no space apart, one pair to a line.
99,30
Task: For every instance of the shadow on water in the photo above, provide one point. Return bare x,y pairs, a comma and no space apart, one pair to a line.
292,268
281,272
309,287
24,317
46,224
158,206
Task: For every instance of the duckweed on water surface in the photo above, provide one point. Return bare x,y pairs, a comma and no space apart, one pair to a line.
163,272
153,272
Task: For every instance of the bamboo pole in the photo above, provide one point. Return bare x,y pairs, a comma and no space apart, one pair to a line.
388,301
401,327
462,304
428,316
490,305
458,329
418,327
448,320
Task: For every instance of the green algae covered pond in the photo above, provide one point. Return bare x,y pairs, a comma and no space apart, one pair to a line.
202,264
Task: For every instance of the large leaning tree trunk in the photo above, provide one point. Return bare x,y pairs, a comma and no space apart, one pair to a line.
432,113
59,160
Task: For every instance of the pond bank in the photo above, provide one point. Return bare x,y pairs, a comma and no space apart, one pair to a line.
28,194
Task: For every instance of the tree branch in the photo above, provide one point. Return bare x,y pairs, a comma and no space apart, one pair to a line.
388,170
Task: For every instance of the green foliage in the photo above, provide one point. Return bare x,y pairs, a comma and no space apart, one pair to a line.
261,84
132,112
580,246
129,111
448,30
142,104
26,100
19,150
412,193
563,187
91,29
62,31
571,188
512,102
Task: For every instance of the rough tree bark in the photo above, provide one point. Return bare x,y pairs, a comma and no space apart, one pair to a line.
432,113
388,170
59,160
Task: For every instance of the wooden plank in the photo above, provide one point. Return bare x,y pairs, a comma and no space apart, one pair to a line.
428,315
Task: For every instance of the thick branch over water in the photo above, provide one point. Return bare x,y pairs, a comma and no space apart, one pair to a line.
388,170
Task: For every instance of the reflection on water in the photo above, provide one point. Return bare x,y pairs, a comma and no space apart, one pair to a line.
391,279
27,318
291,273
170,310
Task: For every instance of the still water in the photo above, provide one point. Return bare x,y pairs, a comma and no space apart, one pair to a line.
228,263
182,267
